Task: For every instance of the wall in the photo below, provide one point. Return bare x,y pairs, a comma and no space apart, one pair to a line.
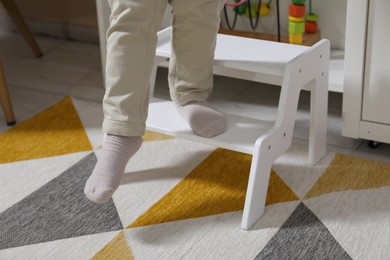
3,20
75,12
74,19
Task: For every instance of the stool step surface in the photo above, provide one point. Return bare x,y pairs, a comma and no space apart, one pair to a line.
241,135
246,54
255,55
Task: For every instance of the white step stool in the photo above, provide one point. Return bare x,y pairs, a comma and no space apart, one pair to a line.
293,67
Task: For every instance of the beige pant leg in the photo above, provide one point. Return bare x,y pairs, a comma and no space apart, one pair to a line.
131,46
195,26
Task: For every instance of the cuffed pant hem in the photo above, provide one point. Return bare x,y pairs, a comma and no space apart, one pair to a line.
125,129
181,100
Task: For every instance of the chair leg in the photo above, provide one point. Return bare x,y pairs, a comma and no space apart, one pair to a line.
318,119
5,99
15,15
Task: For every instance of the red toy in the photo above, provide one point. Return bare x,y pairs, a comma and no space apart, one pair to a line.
311,21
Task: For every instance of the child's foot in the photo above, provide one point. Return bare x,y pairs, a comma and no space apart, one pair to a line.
204,120
109,170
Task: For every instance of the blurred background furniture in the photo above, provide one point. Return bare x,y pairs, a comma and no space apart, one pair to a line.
17,18
5,99
367,73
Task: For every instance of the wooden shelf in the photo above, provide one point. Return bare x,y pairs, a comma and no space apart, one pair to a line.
308,38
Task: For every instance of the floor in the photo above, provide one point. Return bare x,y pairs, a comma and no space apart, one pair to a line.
74,68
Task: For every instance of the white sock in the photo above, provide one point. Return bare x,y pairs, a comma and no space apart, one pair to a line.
109,170
203,119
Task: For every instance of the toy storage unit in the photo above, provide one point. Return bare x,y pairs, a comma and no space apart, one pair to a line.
366,96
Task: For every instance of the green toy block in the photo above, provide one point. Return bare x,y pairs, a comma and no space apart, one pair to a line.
311,17
295,28
299,2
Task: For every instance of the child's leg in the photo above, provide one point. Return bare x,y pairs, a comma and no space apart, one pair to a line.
131,48
195,26
108,172
131,44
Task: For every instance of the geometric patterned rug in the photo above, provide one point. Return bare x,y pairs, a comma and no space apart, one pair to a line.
180,199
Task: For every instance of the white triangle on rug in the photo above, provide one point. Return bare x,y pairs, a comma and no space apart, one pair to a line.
294,169
153,171
91,116
83,247
359,220
19,179
213,237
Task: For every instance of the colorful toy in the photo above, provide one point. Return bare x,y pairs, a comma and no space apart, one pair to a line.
244,7
252,10
236,3
263,9
240,9
296,24
311,21
247,8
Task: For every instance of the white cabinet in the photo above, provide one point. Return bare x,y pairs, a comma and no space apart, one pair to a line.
366,95
376,92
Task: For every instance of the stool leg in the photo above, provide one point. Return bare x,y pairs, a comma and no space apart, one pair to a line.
268,148
318,119
299,72
152,82
257,187
15,15
5,99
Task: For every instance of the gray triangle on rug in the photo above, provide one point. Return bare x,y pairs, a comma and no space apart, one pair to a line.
58,210
303,236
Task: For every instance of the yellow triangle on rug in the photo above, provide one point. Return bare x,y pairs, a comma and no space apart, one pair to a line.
116,249
153,136
55,131
218,185
351,173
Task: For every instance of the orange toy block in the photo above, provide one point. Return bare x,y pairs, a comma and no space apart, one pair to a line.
297,10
